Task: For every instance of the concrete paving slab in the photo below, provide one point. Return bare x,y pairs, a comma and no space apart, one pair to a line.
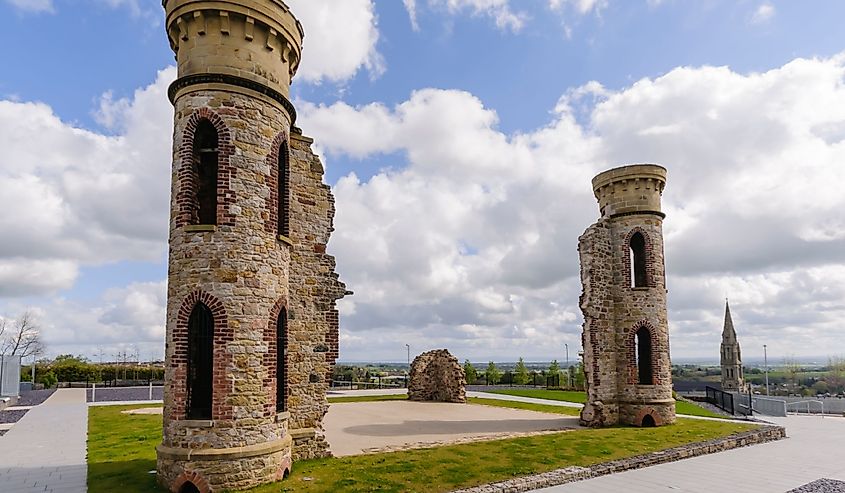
364,427
812,451
45,450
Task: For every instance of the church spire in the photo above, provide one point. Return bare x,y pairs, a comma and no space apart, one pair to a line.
728,333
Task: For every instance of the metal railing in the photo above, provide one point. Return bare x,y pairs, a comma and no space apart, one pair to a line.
808,402
721,399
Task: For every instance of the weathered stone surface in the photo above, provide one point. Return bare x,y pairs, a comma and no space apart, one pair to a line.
241,267
437,376
733,378
617,304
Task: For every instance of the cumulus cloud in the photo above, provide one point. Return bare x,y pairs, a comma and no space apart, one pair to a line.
763,13
76,197
341,37
32,5
129,318
472,243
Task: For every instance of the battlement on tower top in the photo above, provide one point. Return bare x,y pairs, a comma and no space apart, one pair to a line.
253,44
630,190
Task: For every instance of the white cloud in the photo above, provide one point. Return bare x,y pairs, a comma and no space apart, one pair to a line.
124,318
763,13
580,6
341,37
32,5
75,197
471,245
499,10
411,7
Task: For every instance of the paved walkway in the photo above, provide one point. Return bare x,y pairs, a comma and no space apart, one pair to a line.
363,427
45,450
812,451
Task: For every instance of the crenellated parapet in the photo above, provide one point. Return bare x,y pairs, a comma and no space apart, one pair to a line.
630,190
251,46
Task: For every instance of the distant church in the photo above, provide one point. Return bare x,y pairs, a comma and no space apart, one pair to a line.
731,357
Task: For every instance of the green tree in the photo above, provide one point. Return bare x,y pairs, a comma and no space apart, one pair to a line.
470,372
521,377
554,374
492,374
580,378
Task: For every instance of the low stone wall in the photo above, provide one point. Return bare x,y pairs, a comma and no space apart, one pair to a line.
570,474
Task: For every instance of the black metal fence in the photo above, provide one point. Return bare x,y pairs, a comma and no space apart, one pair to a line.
722,400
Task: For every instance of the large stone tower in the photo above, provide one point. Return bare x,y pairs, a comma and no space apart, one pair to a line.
731,357
252,329
626,332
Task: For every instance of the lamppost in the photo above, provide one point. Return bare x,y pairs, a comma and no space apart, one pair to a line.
408,374
568,373
766,364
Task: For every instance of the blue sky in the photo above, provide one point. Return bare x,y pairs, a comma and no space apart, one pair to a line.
737,98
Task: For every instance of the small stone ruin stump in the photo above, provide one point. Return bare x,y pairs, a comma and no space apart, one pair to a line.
437,376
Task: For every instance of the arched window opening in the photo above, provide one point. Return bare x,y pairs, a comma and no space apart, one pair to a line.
643,350
284,191
200,358
189,487
648,421
281,359
638,264
206,153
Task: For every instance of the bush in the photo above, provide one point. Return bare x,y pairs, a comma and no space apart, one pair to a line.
49,380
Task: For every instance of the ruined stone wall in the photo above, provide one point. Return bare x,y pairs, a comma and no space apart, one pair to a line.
315,288
596,302
614,310
437,376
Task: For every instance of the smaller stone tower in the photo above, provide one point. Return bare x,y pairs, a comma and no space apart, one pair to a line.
626,330
731,357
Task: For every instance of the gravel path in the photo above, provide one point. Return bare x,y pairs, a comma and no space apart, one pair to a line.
11,416
821,486
34,397
112,394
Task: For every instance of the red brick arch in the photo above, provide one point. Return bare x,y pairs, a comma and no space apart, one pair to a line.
186,178
281,144
192,477
648,411
270,360
631,351
179,362
649,257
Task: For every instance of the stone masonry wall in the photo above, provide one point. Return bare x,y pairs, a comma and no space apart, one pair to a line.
437,376
315,288
614,310
241,272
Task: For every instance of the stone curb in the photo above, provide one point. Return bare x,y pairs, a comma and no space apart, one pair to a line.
575,473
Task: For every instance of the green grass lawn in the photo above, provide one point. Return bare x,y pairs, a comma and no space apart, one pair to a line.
369,398
121,449
553,395
121,452
681,407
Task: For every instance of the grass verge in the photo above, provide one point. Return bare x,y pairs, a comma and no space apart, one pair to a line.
121,452
543,408
121,449
369,398
681,407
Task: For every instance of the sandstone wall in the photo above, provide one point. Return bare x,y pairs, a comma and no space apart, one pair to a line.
615,310
437,376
